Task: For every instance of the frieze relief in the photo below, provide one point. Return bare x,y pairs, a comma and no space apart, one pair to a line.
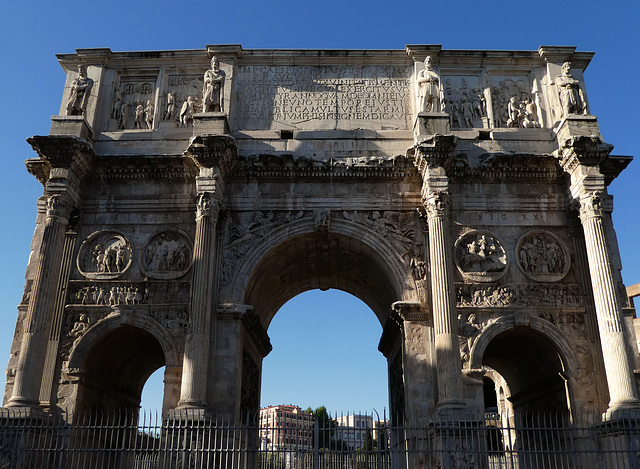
117,294
531,295
132,106
104,255
480,256
167,255
541,256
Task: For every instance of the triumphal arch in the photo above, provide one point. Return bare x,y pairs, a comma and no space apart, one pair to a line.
189,194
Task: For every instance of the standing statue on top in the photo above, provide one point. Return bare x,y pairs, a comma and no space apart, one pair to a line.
213,90
569,92
429,88
80,90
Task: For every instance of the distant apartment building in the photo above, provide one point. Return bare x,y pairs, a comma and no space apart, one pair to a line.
286,428
352,429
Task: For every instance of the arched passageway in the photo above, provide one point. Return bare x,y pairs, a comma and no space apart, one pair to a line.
116,368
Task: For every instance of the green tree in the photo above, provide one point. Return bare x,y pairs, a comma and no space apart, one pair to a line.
326,427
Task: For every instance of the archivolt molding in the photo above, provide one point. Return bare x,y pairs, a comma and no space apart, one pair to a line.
80,350
544,327
397,242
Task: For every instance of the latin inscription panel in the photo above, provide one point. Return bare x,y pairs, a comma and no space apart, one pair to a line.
327,97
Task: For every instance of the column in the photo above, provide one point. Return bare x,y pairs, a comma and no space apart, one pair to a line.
193,392
445,318
587,159
33,349
432,157
617,363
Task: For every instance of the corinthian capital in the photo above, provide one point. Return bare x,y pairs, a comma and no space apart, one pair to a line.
59,206
437,204
207,205
592,205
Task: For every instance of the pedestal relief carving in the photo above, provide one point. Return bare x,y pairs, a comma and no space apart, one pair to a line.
542,256
104,255
167,255
480,256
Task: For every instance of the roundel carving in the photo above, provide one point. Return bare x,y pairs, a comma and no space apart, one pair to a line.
104,255
480,256
167,255
542,256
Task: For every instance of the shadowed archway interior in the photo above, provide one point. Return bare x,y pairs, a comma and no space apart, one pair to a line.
118,366
320,260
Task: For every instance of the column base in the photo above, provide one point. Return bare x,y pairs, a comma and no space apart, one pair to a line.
23,403
628,409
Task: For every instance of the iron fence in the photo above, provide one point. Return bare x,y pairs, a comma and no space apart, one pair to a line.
122,440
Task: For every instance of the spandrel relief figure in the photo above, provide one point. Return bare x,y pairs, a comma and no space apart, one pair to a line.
213,90
430,96
569,92
80,90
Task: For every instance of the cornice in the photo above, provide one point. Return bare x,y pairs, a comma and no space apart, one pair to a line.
164,167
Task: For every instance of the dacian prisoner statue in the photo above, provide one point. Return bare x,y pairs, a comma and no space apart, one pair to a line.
80,90
569,92
429,88
213,91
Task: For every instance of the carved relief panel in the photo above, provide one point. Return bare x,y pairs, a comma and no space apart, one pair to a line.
480,256
541,256
181,99
104,255
514,102
133,105
167,255
465,100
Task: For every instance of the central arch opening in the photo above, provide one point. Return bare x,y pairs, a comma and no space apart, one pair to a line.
325,354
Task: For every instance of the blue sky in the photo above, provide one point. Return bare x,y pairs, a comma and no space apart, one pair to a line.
31,33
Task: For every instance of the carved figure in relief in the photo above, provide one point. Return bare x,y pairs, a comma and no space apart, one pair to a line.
80,90
117,105
171,106
125,110
148,115
186,112
541,254
213,90
480,255
429,89
467,111
79,328
167,252
569,92
139,123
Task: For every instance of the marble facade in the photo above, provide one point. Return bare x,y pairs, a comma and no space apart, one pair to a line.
461,194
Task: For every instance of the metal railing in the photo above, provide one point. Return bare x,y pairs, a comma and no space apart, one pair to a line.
122,440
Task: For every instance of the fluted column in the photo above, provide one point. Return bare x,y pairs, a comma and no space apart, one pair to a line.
445,319
196,354
433,155
33,348
620,378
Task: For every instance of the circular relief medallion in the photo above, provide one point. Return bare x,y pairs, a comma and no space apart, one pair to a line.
105,255
542,256
167,255
480,256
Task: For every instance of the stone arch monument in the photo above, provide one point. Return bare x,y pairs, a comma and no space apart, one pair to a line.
461,195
